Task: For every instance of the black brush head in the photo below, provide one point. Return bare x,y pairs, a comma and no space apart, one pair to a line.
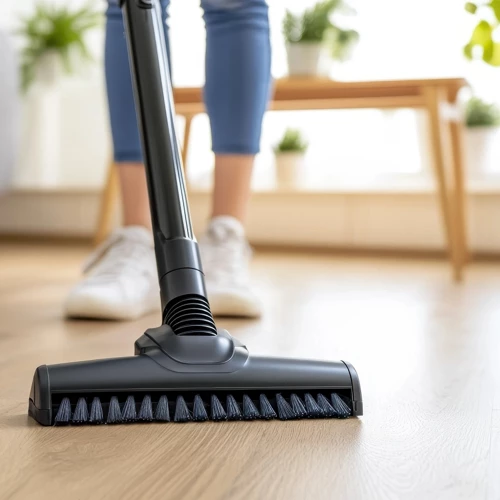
152,386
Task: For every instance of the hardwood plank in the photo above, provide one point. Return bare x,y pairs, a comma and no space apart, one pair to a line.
424,348
494,482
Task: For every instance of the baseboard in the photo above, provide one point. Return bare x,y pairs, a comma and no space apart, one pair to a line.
371,221
382,253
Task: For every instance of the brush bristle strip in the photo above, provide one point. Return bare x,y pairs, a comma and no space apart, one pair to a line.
162,412
63,415
282,406
250,411
217,410
199,410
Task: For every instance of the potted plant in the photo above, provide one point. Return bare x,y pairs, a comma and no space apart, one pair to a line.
53,44
310,34
289,155
54,38
482,136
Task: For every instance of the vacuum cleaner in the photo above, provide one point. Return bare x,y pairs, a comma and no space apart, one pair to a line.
186,369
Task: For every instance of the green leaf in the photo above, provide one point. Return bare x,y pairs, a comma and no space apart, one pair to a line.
495,55
488,51
495,6
341,42
468,51
471,7
482,33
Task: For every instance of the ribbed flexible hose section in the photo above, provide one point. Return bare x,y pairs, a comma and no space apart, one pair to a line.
190,315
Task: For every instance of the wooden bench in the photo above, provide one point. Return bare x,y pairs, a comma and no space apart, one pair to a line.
436,96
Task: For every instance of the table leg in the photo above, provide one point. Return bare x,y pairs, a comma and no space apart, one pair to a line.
109,199
459,199
435,97
185,142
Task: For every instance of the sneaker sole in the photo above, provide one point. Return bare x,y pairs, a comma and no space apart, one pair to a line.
97,309
232,305
222,304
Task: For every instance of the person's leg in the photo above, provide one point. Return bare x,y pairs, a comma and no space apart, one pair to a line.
123,120
238,77
120,280
232,179
237,88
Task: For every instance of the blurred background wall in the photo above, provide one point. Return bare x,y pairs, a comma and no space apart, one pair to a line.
398,40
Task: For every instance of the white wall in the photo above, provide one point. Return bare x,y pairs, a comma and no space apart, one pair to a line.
399,39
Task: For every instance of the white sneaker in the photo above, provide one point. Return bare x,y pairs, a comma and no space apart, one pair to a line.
120,279
225,255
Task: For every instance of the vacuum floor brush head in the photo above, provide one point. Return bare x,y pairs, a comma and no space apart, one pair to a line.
192,379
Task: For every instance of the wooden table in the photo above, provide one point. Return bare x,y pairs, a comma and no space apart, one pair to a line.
436,96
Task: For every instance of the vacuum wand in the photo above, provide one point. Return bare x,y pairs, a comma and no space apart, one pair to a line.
177,256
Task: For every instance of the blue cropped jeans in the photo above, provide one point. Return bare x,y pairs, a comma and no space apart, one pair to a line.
237,83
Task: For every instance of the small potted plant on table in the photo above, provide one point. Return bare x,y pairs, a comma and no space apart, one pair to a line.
482,120
289,155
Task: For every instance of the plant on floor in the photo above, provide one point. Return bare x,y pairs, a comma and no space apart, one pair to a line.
479,113
483,42
314,26
55,29
291,142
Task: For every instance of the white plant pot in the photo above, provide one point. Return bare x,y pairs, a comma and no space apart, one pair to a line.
39,162
9,112
305,59
49,69
289,169
482,151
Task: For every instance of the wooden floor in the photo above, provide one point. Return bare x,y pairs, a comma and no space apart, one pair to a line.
427,351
